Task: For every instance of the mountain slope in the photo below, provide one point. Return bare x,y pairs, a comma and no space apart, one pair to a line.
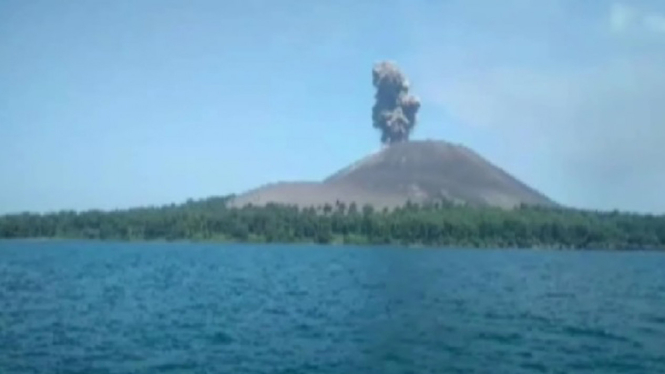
416,171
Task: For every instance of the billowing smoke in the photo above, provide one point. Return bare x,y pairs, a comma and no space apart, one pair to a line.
394,112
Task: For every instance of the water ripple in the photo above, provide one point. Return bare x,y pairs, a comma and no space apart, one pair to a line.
68,307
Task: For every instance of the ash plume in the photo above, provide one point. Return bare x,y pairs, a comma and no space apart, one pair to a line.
394,112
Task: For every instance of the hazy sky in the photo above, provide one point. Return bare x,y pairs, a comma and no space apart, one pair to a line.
108,104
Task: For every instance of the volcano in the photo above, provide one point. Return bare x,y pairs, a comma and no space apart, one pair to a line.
415,171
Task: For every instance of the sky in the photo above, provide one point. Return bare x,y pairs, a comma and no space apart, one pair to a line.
113,104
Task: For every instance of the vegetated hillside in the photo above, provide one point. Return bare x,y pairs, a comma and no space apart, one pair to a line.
437,224
416,171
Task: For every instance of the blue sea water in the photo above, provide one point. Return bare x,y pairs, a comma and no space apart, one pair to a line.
89,307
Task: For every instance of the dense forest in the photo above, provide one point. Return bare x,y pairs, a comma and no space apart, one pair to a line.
439,224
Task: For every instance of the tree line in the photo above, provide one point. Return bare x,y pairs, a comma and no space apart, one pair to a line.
436,224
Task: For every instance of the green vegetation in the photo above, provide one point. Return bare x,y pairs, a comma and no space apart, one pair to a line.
432,225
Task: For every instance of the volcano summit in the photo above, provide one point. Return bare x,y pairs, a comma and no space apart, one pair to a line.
416,171
403,171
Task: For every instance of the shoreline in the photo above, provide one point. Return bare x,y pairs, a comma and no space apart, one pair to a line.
413,246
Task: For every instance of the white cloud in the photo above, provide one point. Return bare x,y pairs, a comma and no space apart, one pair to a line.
622,17
625,18
655,22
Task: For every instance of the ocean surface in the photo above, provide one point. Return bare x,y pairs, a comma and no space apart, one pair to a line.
89,307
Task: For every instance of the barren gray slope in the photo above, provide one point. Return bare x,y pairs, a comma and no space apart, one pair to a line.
305,194
418,171
426,170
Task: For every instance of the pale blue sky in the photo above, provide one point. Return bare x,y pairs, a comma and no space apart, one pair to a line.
107,104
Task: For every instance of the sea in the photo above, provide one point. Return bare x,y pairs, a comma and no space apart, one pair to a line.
100,307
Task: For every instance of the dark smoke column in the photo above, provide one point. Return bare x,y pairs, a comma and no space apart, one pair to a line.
394,112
